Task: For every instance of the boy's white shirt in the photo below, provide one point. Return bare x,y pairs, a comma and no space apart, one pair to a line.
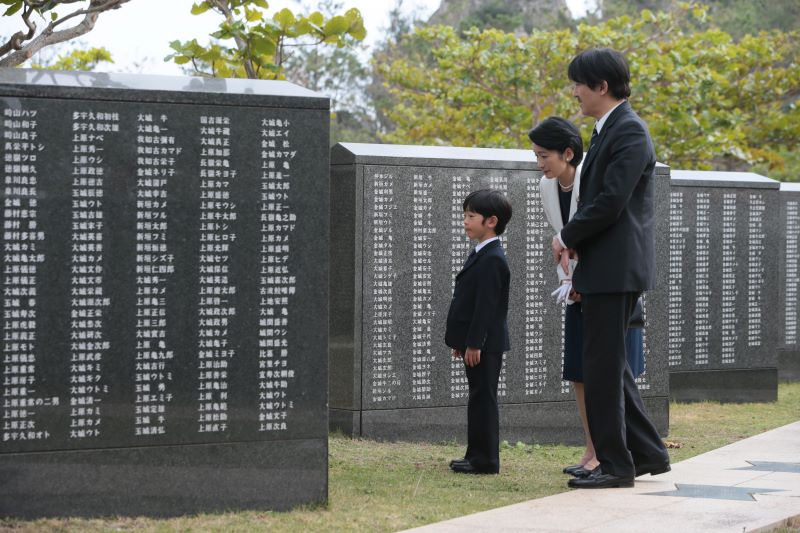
548,187
484,243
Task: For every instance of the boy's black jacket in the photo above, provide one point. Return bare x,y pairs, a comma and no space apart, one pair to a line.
478,310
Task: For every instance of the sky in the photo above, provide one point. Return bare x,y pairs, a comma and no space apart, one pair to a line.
138,34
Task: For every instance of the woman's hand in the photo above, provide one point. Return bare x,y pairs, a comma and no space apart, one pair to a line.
564,261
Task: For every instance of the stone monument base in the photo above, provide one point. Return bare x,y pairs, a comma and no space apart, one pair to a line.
734,386
789,364
542,423
164,481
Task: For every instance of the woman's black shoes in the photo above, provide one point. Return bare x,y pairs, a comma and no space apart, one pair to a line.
571,469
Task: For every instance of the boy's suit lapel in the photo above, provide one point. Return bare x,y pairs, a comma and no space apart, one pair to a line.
474,257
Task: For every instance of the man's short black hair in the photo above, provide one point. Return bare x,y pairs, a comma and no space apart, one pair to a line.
592,67
488,203
556,133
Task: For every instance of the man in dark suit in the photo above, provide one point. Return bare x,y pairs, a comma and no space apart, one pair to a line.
612,236
477,330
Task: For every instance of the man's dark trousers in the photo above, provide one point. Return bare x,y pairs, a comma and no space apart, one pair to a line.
483,422
613,232
605,316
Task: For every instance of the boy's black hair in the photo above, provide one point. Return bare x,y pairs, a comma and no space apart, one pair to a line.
592,67
487,203
556,133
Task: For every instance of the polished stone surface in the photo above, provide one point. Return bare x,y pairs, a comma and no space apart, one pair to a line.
397,244
167,253
769,466
177,89
548,422
722,286
164,481
735,385
713,178
789,346
714,492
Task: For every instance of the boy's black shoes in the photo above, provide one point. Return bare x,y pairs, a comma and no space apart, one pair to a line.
454,461
465,467
653,469
600,480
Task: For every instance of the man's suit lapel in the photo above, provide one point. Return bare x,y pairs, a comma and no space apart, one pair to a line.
602,136
474,259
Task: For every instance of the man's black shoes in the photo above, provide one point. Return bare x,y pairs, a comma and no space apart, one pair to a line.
653,469
600,480
465,467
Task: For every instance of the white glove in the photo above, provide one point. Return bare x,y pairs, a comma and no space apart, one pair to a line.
562,291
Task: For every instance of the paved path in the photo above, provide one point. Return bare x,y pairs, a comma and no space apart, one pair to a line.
749,486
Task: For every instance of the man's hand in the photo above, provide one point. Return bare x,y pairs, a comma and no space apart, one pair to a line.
457,354
557,248
574,295
472,356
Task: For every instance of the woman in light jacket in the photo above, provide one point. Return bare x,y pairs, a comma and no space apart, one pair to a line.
559,150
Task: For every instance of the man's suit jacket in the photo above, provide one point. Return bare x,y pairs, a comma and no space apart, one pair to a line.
479,308
613,228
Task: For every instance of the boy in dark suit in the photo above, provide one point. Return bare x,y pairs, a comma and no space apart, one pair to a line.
476,327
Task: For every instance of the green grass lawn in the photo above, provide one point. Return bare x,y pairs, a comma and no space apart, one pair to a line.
377,486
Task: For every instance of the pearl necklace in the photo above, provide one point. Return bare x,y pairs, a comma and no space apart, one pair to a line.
567,188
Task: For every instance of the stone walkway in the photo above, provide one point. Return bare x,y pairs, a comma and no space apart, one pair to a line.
751,485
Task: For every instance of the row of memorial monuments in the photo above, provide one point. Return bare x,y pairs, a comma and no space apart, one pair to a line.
185,265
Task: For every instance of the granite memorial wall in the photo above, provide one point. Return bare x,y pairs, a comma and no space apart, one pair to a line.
397,243
724,289
789,350
165,308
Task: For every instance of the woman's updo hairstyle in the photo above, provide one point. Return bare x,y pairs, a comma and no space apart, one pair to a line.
556,133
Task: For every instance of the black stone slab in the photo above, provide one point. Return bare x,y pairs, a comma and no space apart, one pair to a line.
397,244
542,422
165,280
723,288
789,349
733,385
164,481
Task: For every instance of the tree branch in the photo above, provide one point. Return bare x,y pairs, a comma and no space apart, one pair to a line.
16,40
49,36
241,44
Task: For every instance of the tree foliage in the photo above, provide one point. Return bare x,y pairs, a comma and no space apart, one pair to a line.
399,42
23,44
737,17
248,44
340,73
78,59
710,101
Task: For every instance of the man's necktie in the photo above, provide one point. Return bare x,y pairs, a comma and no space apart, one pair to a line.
593,139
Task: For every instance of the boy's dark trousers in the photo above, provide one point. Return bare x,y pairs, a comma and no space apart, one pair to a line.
483,424
477,318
